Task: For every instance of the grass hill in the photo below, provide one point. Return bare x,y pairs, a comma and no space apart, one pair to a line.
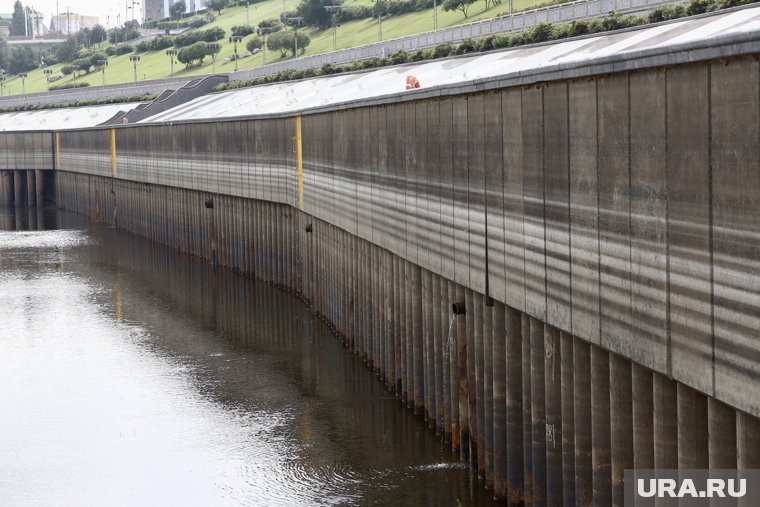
155,64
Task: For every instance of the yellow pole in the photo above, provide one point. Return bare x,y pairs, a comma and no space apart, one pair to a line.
299,162
113,152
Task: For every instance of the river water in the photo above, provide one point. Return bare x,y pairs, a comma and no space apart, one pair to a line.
133,375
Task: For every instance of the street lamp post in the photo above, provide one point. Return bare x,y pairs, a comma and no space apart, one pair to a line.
23,75
235,39
2,82
264,32
333,10
294,22
214,47
47,73
435,15
134,59
247,17
171,53
379,6
103,64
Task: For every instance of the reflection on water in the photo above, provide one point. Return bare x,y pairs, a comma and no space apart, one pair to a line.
132,375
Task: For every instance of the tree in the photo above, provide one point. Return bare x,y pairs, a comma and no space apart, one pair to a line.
177,9
67,50
84,37
254,44
22,59
217,5
458,5
5,53
314,13
98,34
17,20
194,55
285,41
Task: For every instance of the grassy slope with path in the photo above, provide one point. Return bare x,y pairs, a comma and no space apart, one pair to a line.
155,64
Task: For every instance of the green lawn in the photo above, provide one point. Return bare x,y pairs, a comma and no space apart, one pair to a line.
155,64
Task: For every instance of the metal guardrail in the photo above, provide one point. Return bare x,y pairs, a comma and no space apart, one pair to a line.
561,13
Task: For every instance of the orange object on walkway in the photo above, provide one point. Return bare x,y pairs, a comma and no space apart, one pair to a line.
412,82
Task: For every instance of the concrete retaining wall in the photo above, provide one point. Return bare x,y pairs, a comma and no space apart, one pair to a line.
602,234
544,416
610,208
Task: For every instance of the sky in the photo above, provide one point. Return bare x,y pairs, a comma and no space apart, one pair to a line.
99,8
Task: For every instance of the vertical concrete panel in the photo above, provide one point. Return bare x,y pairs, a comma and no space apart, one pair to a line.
460,170
418,359
748,441
557,191
665,422
538,410
408,334
614,214
379,216
407,183
31,188
19,180
498,354
428,347
600,427
527,405
439,338
481,379
446,176
433,191
476,185
693,448
514,205
7,184
474,323
351,170
514,418
421,234
568,419
735,142
395,197
689,227
459,377
643,417
553,427
494,194
648,194
721,429
533,195
449,357
487,392
621,429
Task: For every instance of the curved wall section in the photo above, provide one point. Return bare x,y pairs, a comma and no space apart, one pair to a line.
612,208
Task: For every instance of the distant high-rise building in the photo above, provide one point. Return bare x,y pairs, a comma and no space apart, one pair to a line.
156,10
71,23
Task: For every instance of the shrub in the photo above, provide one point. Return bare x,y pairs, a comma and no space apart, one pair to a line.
271,23
254,44
69,85
242,30
67,70
213,34
123,49
442,50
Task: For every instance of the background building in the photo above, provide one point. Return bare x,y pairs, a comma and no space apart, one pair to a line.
71,22
159,9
